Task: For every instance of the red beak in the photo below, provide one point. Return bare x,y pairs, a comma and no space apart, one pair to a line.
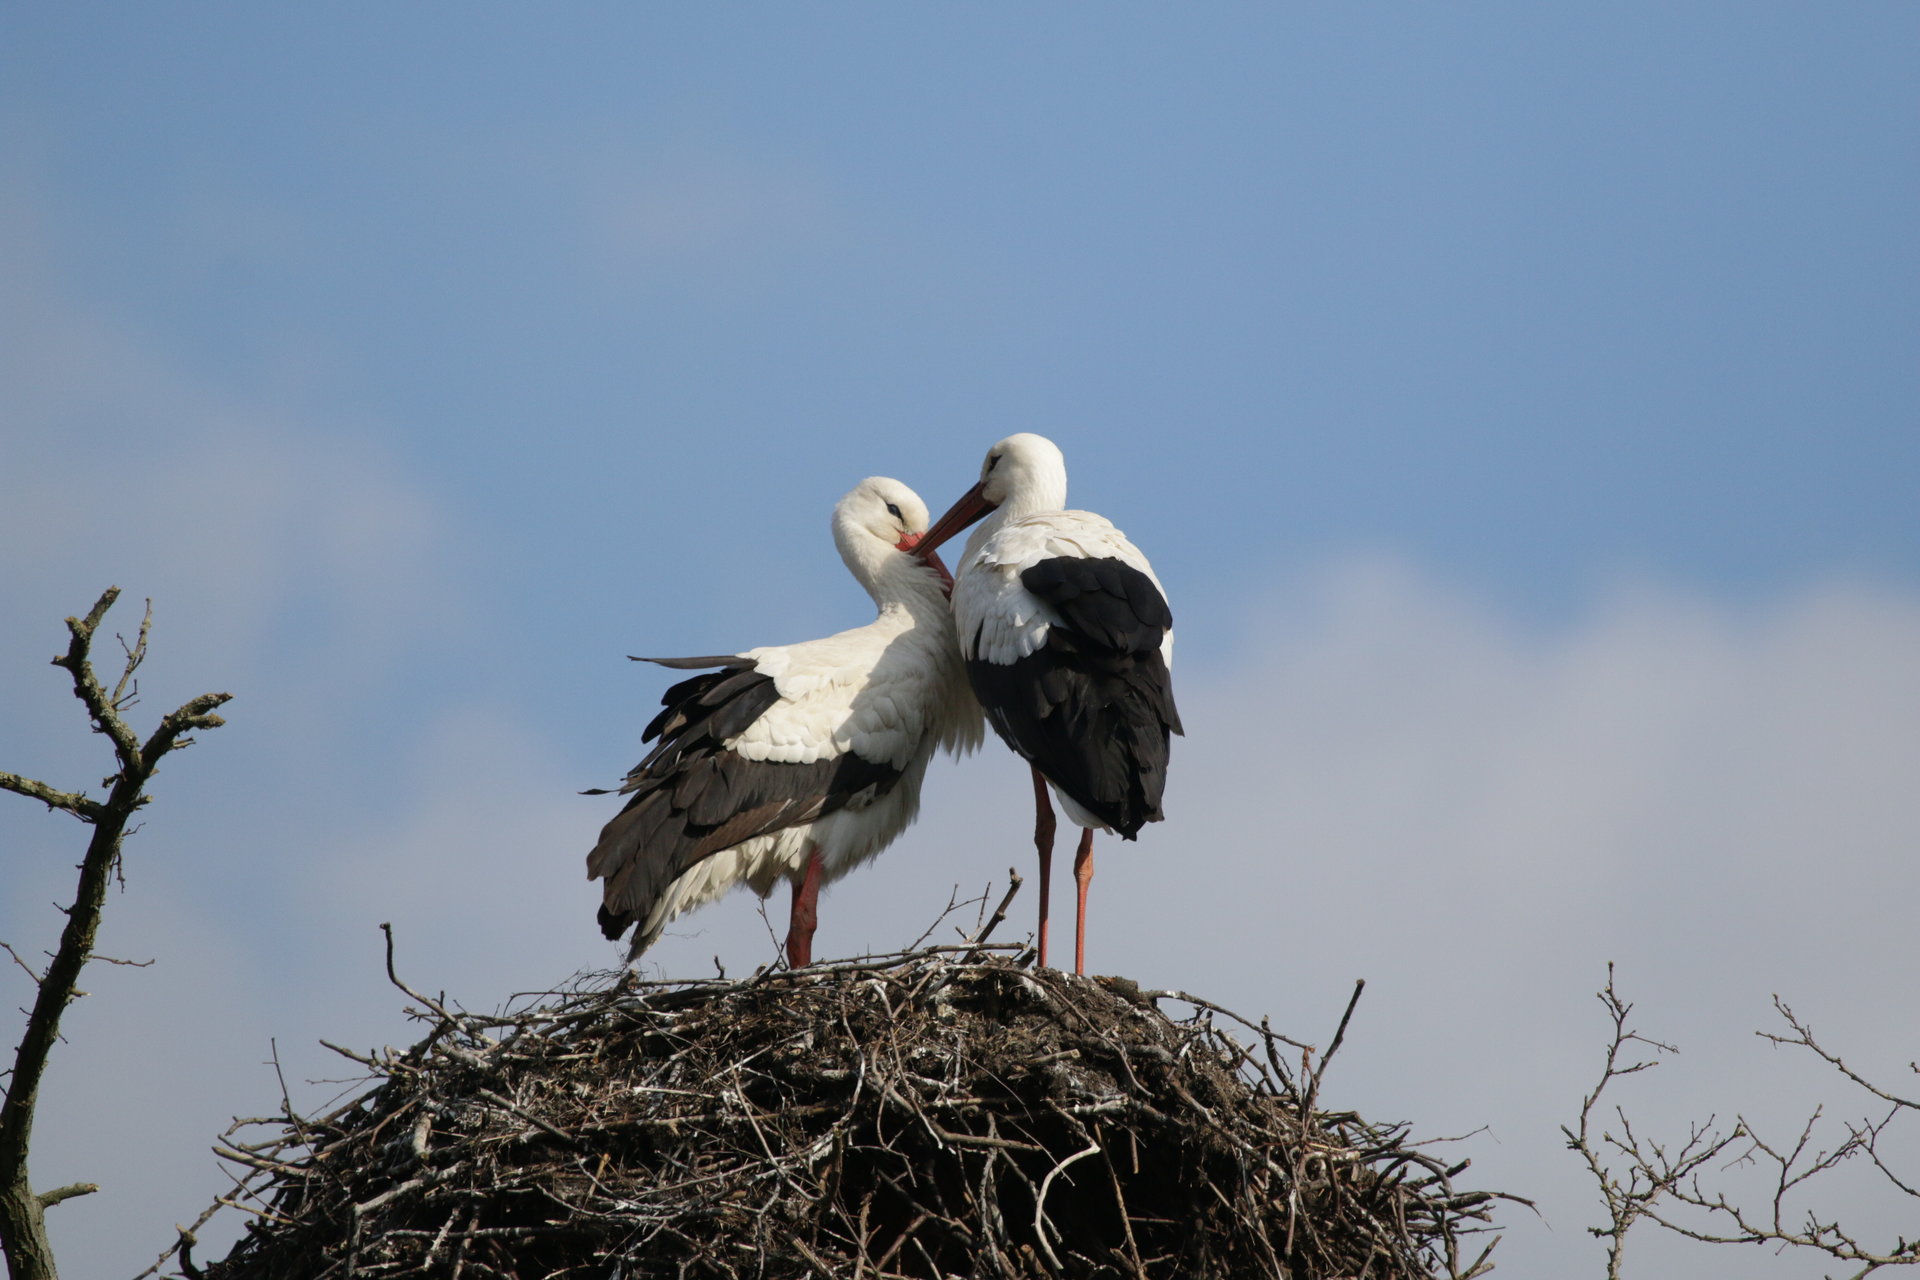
946,579
969,508
910,542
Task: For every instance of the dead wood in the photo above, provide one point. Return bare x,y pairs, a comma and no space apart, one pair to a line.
23,1232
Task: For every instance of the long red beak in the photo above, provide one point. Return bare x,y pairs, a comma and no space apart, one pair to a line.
910,542
946,579
969,508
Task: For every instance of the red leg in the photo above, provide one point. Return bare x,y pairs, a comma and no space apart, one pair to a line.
1043,842
806,897
1083,873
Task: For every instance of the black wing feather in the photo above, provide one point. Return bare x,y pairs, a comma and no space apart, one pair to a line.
1094,708
692,797
693,664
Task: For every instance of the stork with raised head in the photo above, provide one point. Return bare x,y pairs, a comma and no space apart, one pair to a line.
1068,644
796,761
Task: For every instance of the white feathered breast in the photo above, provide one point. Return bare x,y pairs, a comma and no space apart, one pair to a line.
874,691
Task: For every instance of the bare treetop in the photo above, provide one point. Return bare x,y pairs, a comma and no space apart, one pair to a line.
22,1209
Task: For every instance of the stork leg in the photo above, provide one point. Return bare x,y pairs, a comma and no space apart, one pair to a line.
1083,873
806,898
1043,842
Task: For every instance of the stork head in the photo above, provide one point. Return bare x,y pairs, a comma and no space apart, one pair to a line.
1024,464
882,508
878,517
1025,470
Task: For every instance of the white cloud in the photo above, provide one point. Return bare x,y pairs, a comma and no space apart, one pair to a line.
235,512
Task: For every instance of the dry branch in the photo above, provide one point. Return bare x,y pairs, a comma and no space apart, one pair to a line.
1666,1183
22,1210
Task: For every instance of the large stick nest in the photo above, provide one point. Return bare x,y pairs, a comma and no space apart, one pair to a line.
937,1113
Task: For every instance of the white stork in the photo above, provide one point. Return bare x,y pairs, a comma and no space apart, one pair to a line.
799,761
1068,643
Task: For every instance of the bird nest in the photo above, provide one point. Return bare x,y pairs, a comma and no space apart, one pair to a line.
944,1112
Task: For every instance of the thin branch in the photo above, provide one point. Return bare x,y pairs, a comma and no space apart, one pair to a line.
135,656
86,685
22,963
71,802
393,977
1803,1037
1340,1033
48,1199
1040,1199
1000,912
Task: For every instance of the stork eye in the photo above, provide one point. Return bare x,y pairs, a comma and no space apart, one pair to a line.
993,460
893,511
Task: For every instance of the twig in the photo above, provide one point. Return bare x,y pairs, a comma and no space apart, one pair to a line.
135,656
1000,912
448,1018
25,967
1341,1034
1040,1199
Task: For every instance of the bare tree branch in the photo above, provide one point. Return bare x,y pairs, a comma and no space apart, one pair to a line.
22,1210
1631,1198
135,656
48,1199
1664,1185
1802,1037
78,805
27,968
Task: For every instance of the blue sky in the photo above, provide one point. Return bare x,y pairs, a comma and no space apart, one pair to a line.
1521,405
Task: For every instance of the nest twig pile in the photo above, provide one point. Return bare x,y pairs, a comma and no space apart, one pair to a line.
944,1112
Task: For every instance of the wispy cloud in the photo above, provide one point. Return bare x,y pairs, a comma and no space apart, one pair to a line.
270,535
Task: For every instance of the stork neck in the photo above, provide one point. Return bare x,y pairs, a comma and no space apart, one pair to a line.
1024,501
890,577
908,582
1034,490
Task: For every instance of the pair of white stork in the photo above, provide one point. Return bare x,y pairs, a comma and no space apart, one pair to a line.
802,761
